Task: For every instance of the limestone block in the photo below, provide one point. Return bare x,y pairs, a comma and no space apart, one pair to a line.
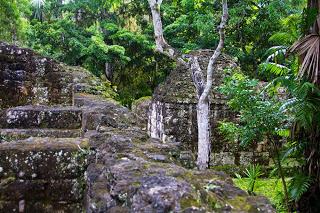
41,117
42,158
222,158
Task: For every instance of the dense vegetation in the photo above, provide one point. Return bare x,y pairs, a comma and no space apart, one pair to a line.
103,36
114,40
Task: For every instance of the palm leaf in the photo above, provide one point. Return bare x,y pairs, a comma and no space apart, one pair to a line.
275,68
298,186
308,49
276,50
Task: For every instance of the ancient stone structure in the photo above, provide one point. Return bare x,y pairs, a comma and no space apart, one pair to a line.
26,78
173,117
93,157
42,156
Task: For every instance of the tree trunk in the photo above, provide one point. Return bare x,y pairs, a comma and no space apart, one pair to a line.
314,4
108,71
203,87
203,120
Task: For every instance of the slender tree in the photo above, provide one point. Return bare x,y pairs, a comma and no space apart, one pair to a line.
203,87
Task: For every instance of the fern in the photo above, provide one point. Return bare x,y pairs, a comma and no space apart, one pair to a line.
275,62
288,104
253,172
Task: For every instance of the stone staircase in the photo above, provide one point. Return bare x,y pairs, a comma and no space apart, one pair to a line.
42,159
44,153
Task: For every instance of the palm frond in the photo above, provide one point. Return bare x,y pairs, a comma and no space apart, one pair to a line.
275,51
306,88
288,104
308,49
275,68
282,38
292,149
253,172
285,81
298,185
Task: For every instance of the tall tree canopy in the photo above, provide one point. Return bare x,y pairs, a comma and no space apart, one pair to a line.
13,19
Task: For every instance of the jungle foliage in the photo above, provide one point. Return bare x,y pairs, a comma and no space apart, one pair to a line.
104,36
276,93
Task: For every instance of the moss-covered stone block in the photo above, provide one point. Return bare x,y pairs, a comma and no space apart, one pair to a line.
43,158
25,117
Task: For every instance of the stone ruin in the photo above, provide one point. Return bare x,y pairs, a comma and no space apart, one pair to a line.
173,116
27,78
64,149
40,161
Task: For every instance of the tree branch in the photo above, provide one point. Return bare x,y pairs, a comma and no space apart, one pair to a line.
217,52
197,75
161,44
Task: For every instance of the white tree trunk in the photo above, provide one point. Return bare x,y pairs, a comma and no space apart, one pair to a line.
203,87
203,110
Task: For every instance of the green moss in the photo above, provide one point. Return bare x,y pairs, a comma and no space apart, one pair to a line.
188,175
209,199
84,144
140,100
136,184
229,169
82,184
141,140
239,202
188,202
12,137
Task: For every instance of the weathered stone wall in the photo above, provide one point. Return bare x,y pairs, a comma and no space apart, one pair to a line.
173,116
27,78
177,122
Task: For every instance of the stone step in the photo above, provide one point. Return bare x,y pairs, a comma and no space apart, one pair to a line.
43,158
42,190
25,117
40,207
15,134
